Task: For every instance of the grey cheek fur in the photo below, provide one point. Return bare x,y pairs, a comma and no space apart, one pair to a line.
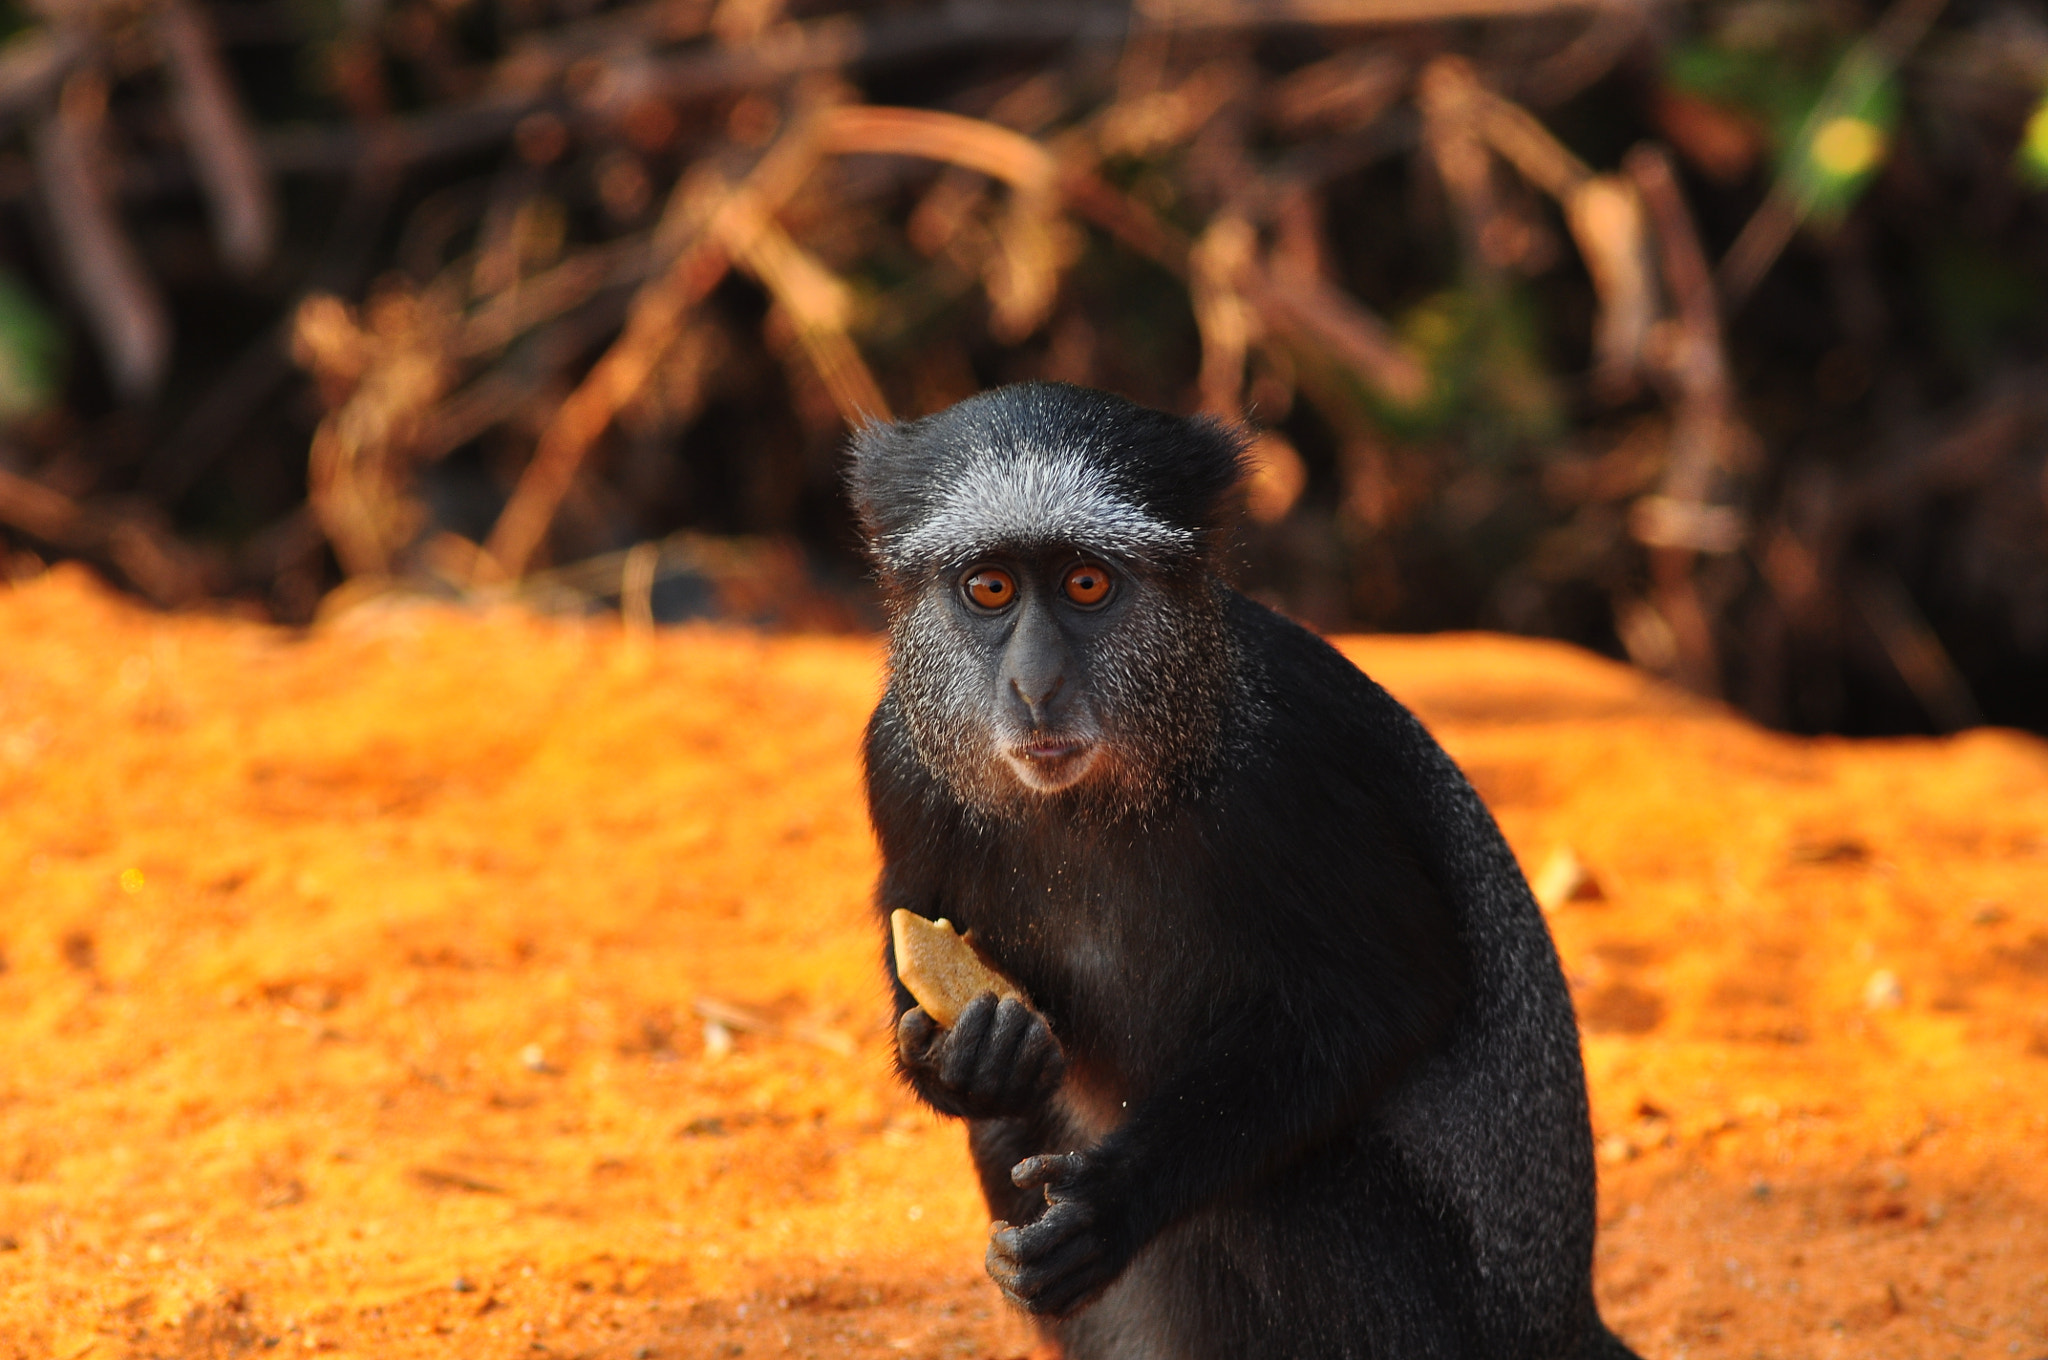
948,704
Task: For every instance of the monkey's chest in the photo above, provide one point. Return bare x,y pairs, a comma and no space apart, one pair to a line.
1118,978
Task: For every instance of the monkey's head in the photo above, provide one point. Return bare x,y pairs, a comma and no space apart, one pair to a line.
1047,554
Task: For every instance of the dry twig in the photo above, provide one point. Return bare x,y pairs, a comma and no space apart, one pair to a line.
218,137
699,261
123,305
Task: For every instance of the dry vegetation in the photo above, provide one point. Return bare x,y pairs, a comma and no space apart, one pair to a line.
1706,333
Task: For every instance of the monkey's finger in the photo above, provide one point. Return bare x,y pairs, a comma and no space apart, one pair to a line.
1012,1262
1013,1026
915,1032
1003,1267
961,1054
1052,1282
1066,1221
1053,1170
1042,1236
1040,1062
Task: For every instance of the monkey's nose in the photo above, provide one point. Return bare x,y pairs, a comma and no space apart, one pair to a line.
1039,706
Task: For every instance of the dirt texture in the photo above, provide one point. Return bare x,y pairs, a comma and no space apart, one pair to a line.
436,984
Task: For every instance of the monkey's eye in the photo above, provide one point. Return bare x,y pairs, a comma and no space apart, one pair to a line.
1086,585
991,588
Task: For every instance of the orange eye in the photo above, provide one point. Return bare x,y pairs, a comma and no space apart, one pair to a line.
991,588
1086,585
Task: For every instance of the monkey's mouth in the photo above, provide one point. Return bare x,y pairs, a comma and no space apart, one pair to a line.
1050,764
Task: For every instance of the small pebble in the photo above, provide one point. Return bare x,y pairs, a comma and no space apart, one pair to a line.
1882,992
463,1285
1564,878
1615,1149
717,1040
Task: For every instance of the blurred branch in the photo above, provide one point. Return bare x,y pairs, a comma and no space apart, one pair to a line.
1312,308
389,370
540,299
154,562
1603,211
966,142
1128,220
34,63
1519,138
1023,274
1221,267
1922,662
1259,13
1615,28
1694,352
699,262
1344,92
1681,521
218,137
122,304
527,78
815,301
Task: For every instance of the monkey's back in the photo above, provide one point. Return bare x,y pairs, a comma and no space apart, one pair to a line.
1493,1125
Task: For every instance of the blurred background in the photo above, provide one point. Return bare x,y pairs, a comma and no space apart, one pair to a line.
1709,334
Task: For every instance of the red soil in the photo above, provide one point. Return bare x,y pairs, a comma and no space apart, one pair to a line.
352,982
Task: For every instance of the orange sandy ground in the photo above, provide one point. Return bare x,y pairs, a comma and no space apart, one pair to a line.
350,987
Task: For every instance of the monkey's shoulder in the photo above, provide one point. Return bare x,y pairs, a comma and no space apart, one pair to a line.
1305,711
912,810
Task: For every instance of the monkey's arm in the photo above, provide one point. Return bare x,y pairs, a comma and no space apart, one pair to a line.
1276,1077
999,1060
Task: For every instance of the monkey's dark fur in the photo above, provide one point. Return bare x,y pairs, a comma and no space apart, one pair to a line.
1302,1077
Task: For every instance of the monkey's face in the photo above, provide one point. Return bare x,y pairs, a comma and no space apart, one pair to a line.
1032,672
1056,620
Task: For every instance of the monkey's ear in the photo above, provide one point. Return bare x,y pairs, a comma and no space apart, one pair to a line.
1207,486
1189,470
888,479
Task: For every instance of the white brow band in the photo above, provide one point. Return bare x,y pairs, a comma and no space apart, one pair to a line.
1034,497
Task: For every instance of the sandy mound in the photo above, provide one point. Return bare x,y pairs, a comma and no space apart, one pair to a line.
356,986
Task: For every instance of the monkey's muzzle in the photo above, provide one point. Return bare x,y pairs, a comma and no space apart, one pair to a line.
1050,764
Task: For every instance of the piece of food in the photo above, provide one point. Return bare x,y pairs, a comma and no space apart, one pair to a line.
941,968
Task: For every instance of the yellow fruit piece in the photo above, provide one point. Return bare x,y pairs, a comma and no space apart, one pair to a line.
941,968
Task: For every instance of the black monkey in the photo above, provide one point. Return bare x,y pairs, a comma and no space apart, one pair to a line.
1302,1077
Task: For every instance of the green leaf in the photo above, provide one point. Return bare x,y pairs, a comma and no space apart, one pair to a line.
31,352
1844,141
2031,161
1487,375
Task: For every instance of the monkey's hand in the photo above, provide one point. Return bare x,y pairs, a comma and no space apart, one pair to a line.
1057,1264
999,1058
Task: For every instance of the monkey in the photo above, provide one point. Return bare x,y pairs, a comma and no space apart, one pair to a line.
1299,1074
